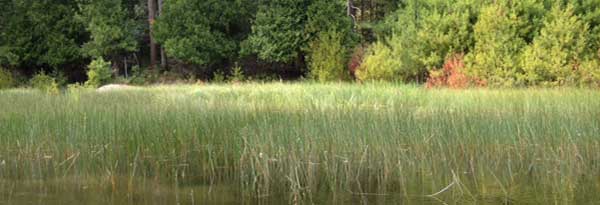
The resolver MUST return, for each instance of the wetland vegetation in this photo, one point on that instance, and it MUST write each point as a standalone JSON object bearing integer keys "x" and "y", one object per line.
{"x": 300, "y": 143}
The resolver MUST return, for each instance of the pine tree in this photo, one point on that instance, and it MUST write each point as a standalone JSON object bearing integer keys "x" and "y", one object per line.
{"x": 112, "y": 31}
{"x": 39, "y": 33}
{"x": 331, "y": 35}
{"x": 558, "y": 51}
{"x": 328, "y": 56}
{"x": 497, "y": 46}
{"x": 423, "y": 33}
{"x": 329, "y": 15}
{"x": 202, "y": 32}
{"x": 278, "y": 31}
{"x": 589, "y": 11}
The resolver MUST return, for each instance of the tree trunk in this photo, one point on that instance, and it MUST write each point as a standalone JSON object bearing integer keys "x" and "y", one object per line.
{"x": 153, "y": 46}
{"x": 353, "y": 13}
{"x": 163, "y": 56}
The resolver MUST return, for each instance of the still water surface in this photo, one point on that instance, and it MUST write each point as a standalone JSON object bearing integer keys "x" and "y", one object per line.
{"x": 70, "y": 192}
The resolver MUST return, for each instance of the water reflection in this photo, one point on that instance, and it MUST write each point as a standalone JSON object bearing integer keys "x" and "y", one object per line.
{"x": 102, "y": 192}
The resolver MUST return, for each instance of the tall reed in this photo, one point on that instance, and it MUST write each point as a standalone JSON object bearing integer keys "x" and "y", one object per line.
{"x": 307, "y": 142}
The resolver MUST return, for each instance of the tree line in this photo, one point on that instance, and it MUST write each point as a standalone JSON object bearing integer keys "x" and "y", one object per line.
{"x": 500, "y": 43}
{"x": 63, "y": 36}
{"x": 441, "y": 42}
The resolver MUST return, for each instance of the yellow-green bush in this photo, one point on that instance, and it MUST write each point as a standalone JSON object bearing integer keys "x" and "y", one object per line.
{"x": 497, "y": 46}
{"x": 327, "y": 58}
{"x": 99, "y": 73}
{"x": 589, "y": 73}
{"x": 380, "y": 64}
{"x": 422, "y": 34}
{"x": 558, "y": 51}
{"x": 44, "y": 83}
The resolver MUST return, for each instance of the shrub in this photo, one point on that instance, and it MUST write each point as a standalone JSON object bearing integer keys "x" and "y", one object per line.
{"x": 356, "y": 59}
{"x": 589, "y": 73}
{"x": 6, "y": 79}
{"x": 44, "y": 83}
{"x": 423, "y": 33}
{"x": 143, "y": 76}
{"x": 558, "y": 51}
{"x": 327, "y": 57}
{"x": 99, "y": 73}
{"x": 380, "y": 64}
{"x": 75, "y": 89}
{"x": 265, "y": 77}
{"x": 218, "y": 77}
{"x": 237, "y": 75}
{"x": 60, "y": 77}
{"x": 497, "y": 46}
{"x": 452, "y": 75}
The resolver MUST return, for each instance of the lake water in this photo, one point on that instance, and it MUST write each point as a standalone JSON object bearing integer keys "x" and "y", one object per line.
{"x": 69, "y": 192}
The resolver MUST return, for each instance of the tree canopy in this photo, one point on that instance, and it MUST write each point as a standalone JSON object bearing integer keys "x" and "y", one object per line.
{"x": 499, "y": 42}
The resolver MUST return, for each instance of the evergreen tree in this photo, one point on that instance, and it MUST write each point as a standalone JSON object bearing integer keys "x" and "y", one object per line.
{"x": 112, "y": 31}
{"x": 202, "y": 32}
{"x": 330, "y": 32}
{"x": 498, "y": 45}
{"x": 558, "y": 51}
{"x": 329, "y": 15}
{"x": 278, "y": 30}
{"x": 423, "y": 33}
{"x": 39, "y": 33}
{"x": 328, "y": 56}
{"x": 589, "y": 11}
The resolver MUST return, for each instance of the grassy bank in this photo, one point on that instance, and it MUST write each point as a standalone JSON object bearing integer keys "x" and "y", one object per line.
{"x": 302, "y": 142}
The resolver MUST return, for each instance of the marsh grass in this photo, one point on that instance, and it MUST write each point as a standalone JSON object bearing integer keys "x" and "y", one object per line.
{"x": 307, "y": 142}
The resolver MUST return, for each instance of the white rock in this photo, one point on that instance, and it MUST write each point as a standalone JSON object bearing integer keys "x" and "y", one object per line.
{"x": 114, "y": 87}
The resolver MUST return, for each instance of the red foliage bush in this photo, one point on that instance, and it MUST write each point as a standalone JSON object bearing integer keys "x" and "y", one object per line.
{"x": 356, "y": 59}
{"x": 452, "y": 75}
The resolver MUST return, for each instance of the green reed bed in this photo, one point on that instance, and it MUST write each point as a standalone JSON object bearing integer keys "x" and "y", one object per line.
{"x": 311, "y": 142}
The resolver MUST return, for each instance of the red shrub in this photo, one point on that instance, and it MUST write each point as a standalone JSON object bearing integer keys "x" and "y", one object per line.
{"x": 356, "y": 59}
{"x": 452, "y": 75}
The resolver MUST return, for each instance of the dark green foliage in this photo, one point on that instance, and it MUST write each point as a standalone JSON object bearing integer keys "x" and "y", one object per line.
{"x": 331, "y": 35}
{"x": 111, "y": 30}
{"x": 330, "y": 15}
{"x": 504, "y": 42}
{"x": 39, "y": 33}
{"x": 196, "y": 31}
{"x": 278, "y": 30}
{"x": 202, "y": 32}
